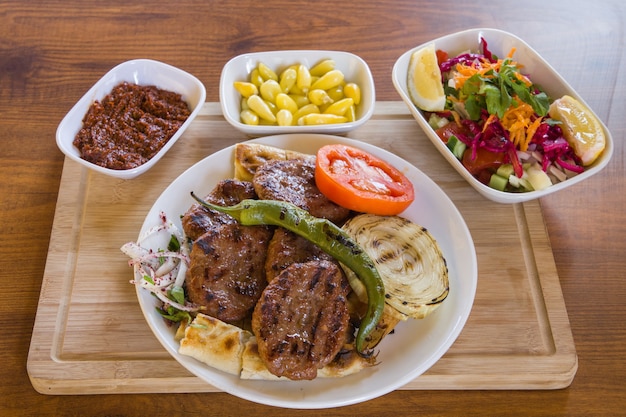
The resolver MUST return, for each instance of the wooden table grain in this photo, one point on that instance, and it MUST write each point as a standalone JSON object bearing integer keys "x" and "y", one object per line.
{"x": 51, "y": 52}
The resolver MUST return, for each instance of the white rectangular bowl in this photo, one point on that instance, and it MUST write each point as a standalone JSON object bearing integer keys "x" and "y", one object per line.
{"x": 239, "y": 68}
{"x": 140, "y": 72}
{"x": 542, "y": 74}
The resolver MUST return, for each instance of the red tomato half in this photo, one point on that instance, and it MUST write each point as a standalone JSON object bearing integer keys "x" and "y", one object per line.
{"x": 359, "y": 181}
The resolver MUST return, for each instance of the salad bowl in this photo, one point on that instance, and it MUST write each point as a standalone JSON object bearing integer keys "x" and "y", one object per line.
{"x": 542, "y": 74}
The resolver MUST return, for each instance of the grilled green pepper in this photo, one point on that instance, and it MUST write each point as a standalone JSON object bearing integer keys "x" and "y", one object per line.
{"x": 325, "y": 234}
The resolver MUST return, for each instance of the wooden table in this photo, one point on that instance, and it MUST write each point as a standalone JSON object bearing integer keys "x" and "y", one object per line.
{"x": 52, "y": 52}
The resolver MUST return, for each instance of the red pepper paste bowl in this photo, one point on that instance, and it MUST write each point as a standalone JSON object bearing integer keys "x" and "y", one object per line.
{"x": 119, "y": 145}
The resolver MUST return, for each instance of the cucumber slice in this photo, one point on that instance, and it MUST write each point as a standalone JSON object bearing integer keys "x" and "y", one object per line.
{"x": 497, "y": 182}
{"x": 437, "y": 122}
{"x": 456, "y": 146}
{"x": 505, "y": 170}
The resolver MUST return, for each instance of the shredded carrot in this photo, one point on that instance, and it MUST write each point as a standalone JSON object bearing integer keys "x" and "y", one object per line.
{"x": 489, "y": 120}
{"x": 511, "y": 52}
{"x": 455, "y": 114}
{"x": 532, "y": 129}
{"x": 457, "y": 117}
{"x": 518, "y": 120}
{"x": 523, "y": 79}
{"x": 465, "y": 72}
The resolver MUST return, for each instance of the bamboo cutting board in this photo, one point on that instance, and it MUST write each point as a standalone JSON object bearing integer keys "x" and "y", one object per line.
{"x": 90, "y": 336}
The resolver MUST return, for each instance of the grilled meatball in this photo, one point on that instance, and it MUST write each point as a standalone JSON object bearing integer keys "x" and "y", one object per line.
{"x": 226, "y": 274}
{"x": 293, "y": 181}
{"x": 301, "y": 321}
{"x": 286, "y": 248}
{"x": 198, "y": 219}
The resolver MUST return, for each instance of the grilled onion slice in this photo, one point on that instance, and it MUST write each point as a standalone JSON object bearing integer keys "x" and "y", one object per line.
{"x": 410, "y": 263}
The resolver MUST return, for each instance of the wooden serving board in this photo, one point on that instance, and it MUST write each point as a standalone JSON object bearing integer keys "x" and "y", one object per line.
{"x": 90, "y": 336}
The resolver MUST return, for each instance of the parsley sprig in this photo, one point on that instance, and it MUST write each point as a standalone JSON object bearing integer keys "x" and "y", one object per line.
{"x": 497, "y": 91}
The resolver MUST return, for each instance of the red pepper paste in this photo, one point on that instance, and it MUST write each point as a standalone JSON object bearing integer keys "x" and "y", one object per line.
{"x": 130, "y": 125}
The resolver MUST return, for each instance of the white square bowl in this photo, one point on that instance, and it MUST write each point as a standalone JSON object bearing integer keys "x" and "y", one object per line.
{"x": 499, "y": 43}
{"x": 140, "y": 72}
{"x": 239, "y": 68}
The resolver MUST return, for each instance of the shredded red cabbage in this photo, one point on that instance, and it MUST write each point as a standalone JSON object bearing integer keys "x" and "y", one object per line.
{"x": 494, "y": 138}
{"x": 465, "y": 59}
{"x": 486, "y": 52}
{"x": 554, "y": 147}
{"x": 569, "y": 165}
{"x": 468, "y": 58}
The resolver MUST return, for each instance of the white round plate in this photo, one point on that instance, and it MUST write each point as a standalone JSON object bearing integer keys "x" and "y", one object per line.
{"x": 404, "y": 355}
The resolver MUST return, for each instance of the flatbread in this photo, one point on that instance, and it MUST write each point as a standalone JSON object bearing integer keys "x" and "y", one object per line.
{"x": 234, "y": 350}
{"x": 344, "y": 364}
{"x": 249, "y": 156}
{"x": 253, "y": 366}
{"x": 215, "y": 343}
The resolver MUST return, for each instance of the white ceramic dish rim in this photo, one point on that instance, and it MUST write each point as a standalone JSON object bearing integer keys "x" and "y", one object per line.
{"x": 141, "y": 72}
{"x": 499, "y": 42}
{"x": 411, "y": 350}
{"x": 238, "y": 68}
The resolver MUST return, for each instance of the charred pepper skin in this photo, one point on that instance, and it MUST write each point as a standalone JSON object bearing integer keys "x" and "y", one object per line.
{"x": 329, "y": 237}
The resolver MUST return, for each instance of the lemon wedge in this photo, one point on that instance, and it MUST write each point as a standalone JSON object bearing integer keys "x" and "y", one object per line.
{"x": 580, "y": 127}
{"x": 424, "y": 80}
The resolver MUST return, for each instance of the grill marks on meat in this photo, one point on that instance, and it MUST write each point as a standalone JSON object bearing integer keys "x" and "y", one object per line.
{"x": 227, "y": 261}
{"x": 301, "y": 320}
{"x": 198, "y": 219}
{"x": 293, "y": 180}
{"x": 226, "y": 274}
{"x": 286, "y": 248}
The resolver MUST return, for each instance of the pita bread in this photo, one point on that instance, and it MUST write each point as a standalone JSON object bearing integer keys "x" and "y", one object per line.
{"x": 235, "y": 351}
{"x": 344, "y": 364}
{"x": 253, "y": 366}
{"x": 215, "y": 343}
{"x": 249, "y": 156}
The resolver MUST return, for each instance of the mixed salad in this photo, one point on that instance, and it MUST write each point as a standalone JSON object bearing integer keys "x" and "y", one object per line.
{"x": 496, "y": 123}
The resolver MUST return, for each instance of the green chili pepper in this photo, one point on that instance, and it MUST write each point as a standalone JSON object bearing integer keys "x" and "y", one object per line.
{"x": 325, "y": 234}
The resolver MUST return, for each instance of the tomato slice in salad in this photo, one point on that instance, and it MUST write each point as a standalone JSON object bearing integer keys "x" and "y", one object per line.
{"x": 442, "y": 56}
{"x": 482, "y": 160}
{"x": 481, "y": 163}
{"x": 359, "y": 181}
{"x": 451, "y": 129}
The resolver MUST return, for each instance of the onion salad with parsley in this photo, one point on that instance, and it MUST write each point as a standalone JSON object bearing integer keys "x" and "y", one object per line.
{"x": 497, "y": 123}
{"x": 163, "y": 270}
